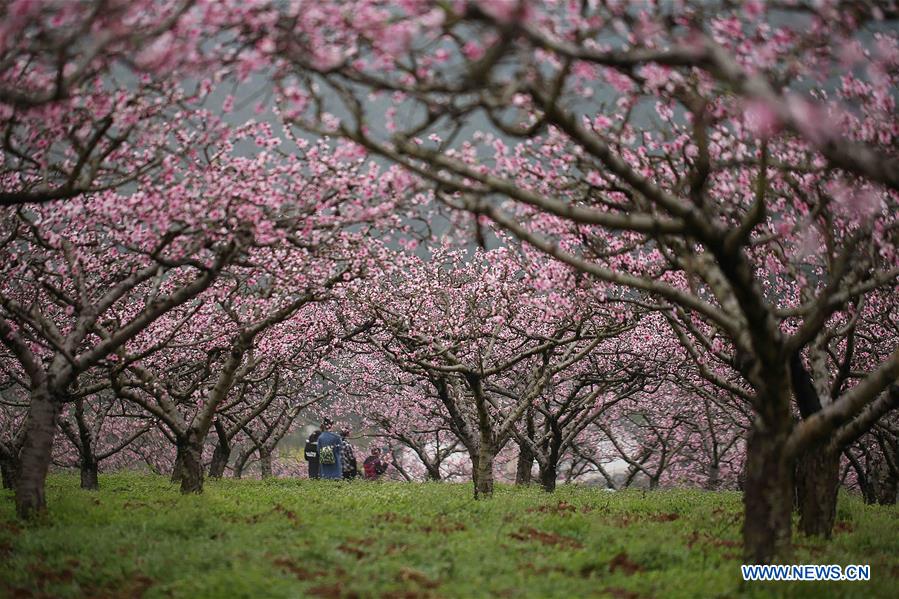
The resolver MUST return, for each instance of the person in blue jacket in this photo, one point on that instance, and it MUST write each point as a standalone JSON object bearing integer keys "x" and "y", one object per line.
{"x": 329, "y": 458}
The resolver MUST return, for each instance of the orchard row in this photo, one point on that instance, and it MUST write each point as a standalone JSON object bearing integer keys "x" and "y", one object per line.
{"x": 652, "y": 242}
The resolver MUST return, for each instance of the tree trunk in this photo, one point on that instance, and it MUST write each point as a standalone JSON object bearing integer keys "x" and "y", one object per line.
{"x": 473, "y": 457}
{"x": 883, "y": 480}
{"x": 37, "y": 450}
{"x": 89, "y": 475}
{"x": 713, "y": 480}
{"x": 222, "y": 451}
{"x": 768, "y": 498}
{"x": 433, "y": 472}
{"x": 817, "y": 482}
{"x": 523, "y": 471}
{"x": 483, "y": 487}
{"x": 241, "y": 462}
{"x": 178, "y": 465}
{"x": 265, "y": 463}
{"x": 191, "y": 451}
{"x": 525, "y": 466}
{"x": 219, "y": 459}
{"x": 653, "y": 483}
{"x": 548, "y": 475}
{"x": 8, "y": 471}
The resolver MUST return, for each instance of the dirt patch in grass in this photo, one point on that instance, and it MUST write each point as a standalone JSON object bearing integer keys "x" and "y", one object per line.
{"x": 394, "y": 548}
{"x": 625, "y": 564}
{"x": 301, "y": 573}
{"x": 529, "y": 534}
{"x": 443, "y": 527}
{"x": 705, "y": 538}
{"x": 532, "y": 568}
{"x": 562, "y": 508}
{"x": 44, "y": 575}
{"x": 625, "y": 521}
{"x": 619, "y": 593}
{"x": 131, "y": 588}
{"x": 410, "y": 575}
{"x": 392, "y": 518}
{"x": 353, "y": 550}
{"x": 843, "y": 526}
{"x": 332, "y": 591}
{"x": 664, "y": 517}
{"x": 290, "y": 515}
{"x": 19, "y": 593}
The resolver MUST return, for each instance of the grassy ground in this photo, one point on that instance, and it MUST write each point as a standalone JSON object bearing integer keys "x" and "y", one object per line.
{"x": 297, "y": 538}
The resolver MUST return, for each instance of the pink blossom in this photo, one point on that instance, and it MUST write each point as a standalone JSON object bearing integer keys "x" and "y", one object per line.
{"x": 472, "y": 50}
{"x": 761, "y": 119}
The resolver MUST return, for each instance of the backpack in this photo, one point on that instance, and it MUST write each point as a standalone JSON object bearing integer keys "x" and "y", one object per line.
{"x": 310, "y": 451}
{"x": 350, "y": 469}
{"x": 326, "y": 455}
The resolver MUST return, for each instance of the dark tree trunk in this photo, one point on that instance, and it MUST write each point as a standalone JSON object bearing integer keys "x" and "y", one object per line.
{"x": 884, "y": 482}
{"x": 548, "y": 475}
{"x": 265, "y": 463}
{"x": 241, "y": 463}
{"x": 483, "y": 486}
{"x": 525, "y": 466}
{"x": 653, "y": 483}
{"x": 37, "y": 450}
{"x": 817, "y": 482}
{"x": 219, "y": 459}
{"x": 549, "y": 470}
{"x": 222, "y": 451}
{"x": 89, "y": 475}
{"x": 191, "y": 450}
{"x": 433, "y": 472}
{"x": 767, "y": 499}
{"x": 178, "y": 465}
{"x": 473, "y": 456}
{"x": 523, "y": 471}
{"x": 713, "y": 480}
{"x": 8, "y": 471}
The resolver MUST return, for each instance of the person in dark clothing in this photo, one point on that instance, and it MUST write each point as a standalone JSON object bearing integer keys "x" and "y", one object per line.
{"x": 310, "y": 453}
{"x": 347, "y": 455}
{"x": 374, "y": 465}
{"x": 329, "y": 462}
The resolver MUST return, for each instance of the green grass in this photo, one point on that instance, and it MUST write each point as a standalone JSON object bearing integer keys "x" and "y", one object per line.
{"x": 296, "y": 538}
